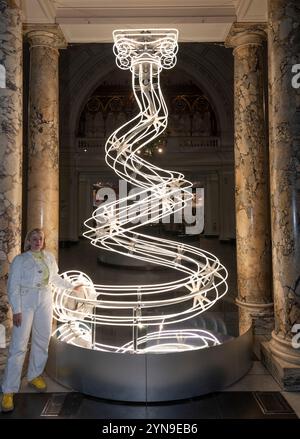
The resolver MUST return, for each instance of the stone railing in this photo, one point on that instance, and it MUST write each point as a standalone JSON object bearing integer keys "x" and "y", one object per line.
{"x": 190, "y": 144}
{"x": 175, "y": 144}
{"x": 87, "y": 143}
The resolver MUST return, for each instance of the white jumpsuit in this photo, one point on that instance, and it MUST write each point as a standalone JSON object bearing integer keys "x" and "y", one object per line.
{"x": 28, "y": 296}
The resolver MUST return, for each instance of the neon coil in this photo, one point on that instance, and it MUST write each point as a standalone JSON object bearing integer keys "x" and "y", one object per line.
{"x": 202, "y": 277}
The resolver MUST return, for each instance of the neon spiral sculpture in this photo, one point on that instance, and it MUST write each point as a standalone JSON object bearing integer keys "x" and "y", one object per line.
{"x": 203, "y": 277}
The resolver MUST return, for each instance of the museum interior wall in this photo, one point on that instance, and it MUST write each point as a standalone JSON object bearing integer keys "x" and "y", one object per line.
{"x": 95, "y": 98}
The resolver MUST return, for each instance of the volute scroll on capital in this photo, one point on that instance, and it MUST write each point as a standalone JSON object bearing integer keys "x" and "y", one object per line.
{"x": 45, "y": 36}
{"x": 242, "y": 34}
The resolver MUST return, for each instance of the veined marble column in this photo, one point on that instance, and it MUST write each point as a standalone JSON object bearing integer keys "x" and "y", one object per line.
{"x": 10, "y": 153}
{"x": 251, "y": 180}
{"x": 282, "y": 354}
{"x": 43, "y": 145}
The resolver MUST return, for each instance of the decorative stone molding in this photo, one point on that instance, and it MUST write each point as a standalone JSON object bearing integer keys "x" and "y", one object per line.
{"x": 242, "y": 34}
{"x": 259, "y": 315}
{"x": 49, "y": 36}
{"x": 283, "y": 361}
{"x": 282, "y": 348}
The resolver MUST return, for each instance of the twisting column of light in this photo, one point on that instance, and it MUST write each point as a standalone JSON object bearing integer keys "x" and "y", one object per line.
{"x": 203, "y": 277}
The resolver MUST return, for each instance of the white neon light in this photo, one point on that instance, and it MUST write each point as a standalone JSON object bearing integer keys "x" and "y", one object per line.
{"x": 201, "y": 277}
{"x": 155, "y": 342}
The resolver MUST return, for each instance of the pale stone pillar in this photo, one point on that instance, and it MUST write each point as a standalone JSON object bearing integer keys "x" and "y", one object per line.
{"x": 284, "y": 122}
{"x": 227, "y": 207}
{"x": 10, "y": 154}
{"x": 43, "y": 143}
{"x": 251, "y": 180}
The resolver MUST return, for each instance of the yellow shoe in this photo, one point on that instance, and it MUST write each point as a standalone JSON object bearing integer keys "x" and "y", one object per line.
{"x": 39, "y": 384}
{"x": 7, "y": 404}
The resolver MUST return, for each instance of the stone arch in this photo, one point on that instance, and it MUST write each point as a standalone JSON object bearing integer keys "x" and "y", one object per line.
{"x": 89, "y": 76}
{"x": 87, "y": 65}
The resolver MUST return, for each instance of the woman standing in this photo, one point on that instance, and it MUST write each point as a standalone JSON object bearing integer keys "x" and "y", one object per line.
{"x": 31, "y": 277}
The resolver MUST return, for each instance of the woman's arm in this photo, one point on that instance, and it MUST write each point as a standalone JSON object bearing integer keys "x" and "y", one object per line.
{"x": 55, "y": 278}
{"x": 14, "y": 285}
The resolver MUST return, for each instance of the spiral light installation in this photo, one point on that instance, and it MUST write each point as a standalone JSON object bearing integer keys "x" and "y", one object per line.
{"x": 202, "y": 279}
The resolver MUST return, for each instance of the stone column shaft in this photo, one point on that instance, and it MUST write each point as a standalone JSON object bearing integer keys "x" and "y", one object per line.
{"x": 284, "y": 51}
{"x": 11, "y": 109}
{"x": 43, "y": 160}
{"x": 251, "y": 180}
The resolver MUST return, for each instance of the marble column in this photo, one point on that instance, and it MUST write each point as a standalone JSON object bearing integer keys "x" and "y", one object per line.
{"x": 10, "y": 154}
{"x": 251, "y": 180}
{"x": 227, "y": 207}
{"x": 43, "y": 143}
{"x": 282, "y": 353}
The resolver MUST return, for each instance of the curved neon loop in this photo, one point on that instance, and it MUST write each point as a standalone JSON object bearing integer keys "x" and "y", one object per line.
{"x": 202, "y": 278}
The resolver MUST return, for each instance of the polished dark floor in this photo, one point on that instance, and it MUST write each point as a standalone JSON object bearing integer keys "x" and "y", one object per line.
{"x": 224, "y": 405}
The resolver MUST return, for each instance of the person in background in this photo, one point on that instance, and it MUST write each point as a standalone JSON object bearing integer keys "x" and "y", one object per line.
{"x": 31, "y": 277}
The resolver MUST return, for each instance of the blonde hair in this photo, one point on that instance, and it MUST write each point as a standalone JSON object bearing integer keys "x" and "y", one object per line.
{"x": 38, "y": 231}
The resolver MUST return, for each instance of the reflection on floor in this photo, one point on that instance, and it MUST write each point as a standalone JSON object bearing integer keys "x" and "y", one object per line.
{"x": 225, "y": 405}
{"x": 255, "y": 396}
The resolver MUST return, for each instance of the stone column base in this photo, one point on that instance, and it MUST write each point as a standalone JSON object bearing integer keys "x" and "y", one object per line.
{"x": 283, "y": 362}
{"x": 259, "y": 315}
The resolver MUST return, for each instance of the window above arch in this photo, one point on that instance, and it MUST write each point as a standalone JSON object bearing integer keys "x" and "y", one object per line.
{"x": 110, "y": 105}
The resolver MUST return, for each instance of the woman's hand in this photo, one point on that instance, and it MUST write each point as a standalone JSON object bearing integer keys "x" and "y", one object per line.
{"x": 17, "y": 319}
{"x": 78, "y": 287}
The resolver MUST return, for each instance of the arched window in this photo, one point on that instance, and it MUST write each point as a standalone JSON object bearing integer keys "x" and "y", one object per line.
{"x": 190, "y": 112}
